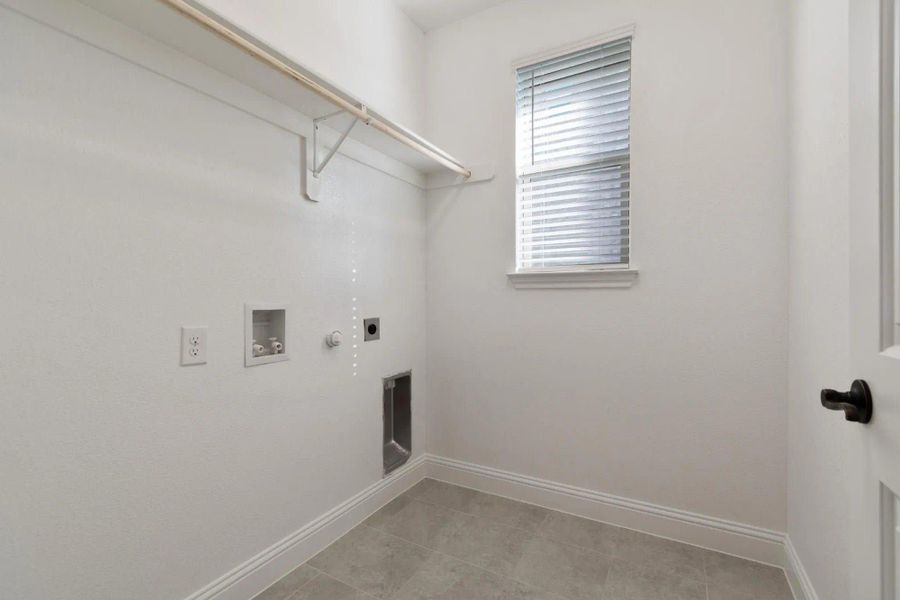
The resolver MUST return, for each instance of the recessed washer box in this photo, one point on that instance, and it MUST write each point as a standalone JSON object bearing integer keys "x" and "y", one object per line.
{"x": 265, "y": 327}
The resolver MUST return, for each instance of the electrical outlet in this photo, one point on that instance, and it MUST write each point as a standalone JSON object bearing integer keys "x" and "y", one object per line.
{"x": 371, "y": 329}
{"x": 193, "y": 345}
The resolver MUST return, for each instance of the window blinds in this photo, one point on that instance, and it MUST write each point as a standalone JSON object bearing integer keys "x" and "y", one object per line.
{"x": 573, "y": 150}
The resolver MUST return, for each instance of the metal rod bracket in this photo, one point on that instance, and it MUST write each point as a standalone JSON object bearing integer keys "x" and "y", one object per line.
{"x": 318, "y": 168}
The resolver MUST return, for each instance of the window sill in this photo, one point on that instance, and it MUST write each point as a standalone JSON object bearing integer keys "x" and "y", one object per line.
{"x": 584, "y": 278}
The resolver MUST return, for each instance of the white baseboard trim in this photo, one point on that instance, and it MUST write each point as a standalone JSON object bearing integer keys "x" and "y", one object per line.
{"x": 800, "y": 582}
{"x": 256, "y": 574}
{"x": 747, "y": 541}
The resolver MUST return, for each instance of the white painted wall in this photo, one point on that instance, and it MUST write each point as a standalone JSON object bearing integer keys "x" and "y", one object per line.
{"x": 822, "y": 449}
{"x": 671, "y": 392}
{"x": 132, "y": 205}
{"x": 369, "y": 48}
{"x": 429, "y": 14}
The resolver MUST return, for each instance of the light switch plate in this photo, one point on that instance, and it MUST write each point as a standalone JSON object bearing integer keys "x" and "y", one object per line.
{"x": 193, "y": 345}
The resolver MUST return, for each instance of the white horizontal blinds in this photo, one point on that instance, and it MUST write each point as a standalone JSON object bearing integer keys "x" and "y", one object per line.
{"x": 573, "y": 147}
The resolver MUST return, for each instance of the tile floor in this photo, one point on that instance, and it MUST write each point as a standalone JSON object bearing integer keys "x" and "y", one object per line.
{"x": 443, "y": 542}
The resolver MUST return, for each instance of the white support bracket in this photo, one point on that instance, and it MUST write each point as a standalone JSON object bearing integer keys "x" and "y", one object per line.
{"x": 318, "y": 168}
{"x": 311, "y": 180}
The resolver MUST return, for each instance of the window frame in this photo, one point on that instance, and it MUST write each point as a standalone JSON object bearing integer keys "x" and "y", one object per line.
{"x": 581, "y": 276}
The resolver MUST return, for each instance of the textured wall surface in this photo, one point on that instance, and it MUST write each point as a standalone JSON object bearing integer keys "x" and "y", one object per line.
{"x": 133, "y": 205}
{"x": 368, "y": 47}
{"x": 673, "y": 391}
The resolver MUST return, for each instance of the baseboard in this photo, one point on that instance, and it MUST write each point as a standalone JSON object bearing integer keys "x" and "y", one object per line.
{"x": 800, "y": 582}
{"x": 746, "y": 541}
{"x": 251, "y": 577}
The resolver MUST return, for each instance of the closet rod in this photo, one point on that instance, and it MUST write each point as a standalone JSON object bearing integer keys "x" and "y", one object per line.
{"x": 360, "y": 112}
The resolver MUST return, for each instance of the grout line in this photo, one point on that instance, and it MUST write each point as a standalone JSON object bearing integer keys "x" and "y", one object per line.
{"x": 311, "y": 579}
{"x": 320, "y": 572}
{"x": 295, "y": 592}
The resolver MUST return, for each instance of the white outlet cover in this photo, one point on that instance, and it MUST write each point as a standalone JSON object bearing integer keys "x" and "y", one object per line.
{"x": 193, "y": 345}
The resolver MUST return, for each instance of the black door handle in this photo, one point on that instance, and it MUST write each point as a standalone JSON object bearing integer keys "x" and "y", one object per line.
{"x": 856, "y": 404}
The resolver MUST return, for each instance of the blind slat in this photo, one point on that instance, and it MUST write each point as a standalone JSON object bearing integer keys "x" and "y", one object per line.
{"x": 618, "y": 259}
{"x": 597, "y": 77}
{"x": 580, "y": 186}
{"x": 573, "y": 223}
{"x": 566, "y": 60}
{"x": 610, "y": 215}
{"x": 604, "y": 78}
{"x": 591, "y": 143}
{"x": 571, "y": 245}
{"x": 576, "y": 114}
{"x": 587, "y": 233}
{"x": 601, "y": 65}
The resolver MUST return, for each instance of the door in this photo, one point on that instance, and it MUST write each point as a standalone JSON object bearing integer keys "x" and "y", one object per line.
{"x": 875, "y": 318}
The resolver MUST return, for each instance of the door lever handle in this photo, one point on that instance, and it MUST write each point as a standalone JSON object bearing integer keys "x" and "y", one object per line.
{"x": 856, "y": 404}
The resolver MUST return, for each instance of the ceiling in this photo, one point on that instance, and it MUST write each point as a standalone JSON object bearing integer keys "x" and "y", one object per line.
{"x": 430, "y": 14}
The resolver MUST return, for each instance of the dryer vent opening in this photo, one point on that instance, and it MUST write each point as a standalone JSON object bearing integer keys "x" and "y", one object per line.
{"x": 397, "y": 439}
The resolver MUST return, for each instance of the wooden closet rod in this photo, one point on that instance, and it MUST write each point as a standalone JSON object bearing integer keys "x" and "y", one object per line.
{"x": 359, "y": 111}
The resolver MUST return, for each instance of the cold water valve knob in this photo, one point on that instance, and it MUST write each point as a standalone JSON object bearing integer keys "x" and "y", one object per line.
{"x": 275, "y": 346}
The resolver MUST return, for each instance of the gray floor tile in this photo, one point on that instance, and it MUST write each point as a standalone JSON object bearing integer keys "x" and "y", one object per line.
{"x": 424, "y": 524}
{"x": 506, "y": 511}
{"x": 577, "y": 531}
{"x": 440, "y": 577}
{"x": 444, "y": 542}
{"x": 731, "y": 578}
{"x": 666, "y": 556}
{"x": 515, "y": 590}
{"x": 387, "y": 511}
{"x": 485, "y": 543}
{"x": 572, "y": 572}
{"x": 718, "y": 592}
{"x": 503, "y": 510}
{"x": 418, "y": 489}
{"x": 324, "y": 587}
{"x": 372, "y": 561}
{"x": 627, "y": 582}
{"x": 445, "y": 578}
{"x": 287, "y": 585}
{"x": 444, "y": 494}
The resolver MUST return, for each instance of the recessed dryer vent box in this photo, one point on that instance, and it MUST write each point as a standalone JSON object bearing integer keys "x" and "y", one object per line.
{"x": 397, "y": 441}
{"x": 265, "y": 334}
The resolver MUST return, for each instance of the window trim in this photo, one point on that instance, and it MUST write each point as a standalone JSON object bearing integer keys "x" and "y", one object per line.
{"x": 610, "y": 36}
{"x": 589, "y": 276}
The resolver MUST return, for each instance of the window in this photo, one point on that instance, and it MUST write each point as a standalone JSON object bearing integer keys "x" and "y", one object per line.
{"x": 573, "y": 155}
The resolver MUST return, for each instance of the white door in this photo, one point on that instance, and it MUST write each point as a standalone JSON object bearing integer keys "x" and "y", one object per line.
{"x": 874, "y": 318}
